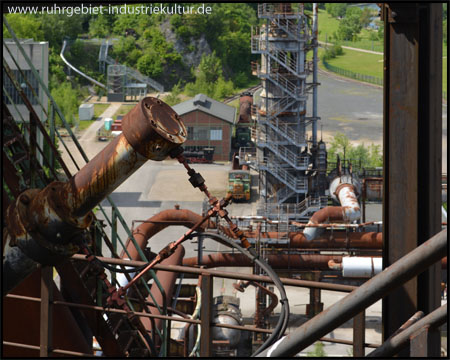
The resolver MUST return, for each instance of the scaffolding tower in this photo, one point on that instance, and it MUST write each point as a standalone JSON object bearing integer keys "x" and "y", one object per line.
{"x": 285, "y": 158}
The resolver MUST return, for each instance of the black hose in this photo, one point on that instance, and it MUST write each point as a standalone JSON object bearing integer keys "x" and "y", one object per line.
{"x": 284, "y": 314}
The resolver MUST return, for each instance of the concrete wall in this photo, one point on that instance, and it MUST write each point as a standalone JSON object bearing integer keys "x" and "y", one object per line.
{"x": 38, "y": 53}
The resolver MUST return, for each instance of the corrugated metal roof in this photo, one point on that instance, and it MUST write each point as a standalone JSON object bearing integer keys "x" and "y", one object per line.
{"x": 206, "y": 104}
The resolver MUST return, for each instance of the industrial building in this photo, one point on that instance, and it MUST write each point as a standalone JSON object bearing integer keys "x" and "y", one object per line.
{"x": 209, "y": 124}
{"x": 73, "y": 286}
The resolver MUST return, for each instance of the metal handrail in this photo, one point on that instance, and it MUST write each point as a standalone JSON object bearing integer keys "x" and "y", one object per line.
{"x": 403, "y": 270}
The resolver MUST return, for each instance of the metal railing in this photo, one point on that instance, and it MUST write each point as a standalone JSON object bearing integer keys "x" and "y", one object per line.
{"x": 207, "y": 276}
{"x": 350, "y": 74}
{"x": 299, "y": 185}
{"x": 275, "y": 77}
{"x": 403, "y": 270}
{"x": 302, "y": 209}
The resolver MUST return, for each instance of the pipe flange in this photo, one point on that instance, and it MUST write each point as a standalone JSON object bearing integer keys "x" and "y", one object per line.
{"x": 153, "y": 129}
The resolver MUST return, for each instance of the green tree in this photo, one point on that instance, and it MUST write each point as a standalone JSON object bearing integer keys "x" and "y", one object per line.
{"x": 368, "y": 157}
{"x": 210, "y": 68}
{"x": 24, "y": 26}
{"x": 349, "y": 27}
{"x": 67, "y": 99}
{"x": 381, "y": 31}
{"x": 336, "y": 10}
{"x": 365, "y": 17}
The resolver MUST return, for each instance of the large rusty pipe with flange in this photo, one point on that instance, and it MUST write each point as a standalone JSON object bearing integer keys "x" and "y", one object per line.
{"x": 45, "y": 226}
{"x": 343, "y": 189}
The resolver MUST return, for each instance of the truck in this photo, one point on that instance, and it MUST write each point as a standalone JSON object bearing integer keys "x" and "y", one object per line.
{"x": 239, "y": 184}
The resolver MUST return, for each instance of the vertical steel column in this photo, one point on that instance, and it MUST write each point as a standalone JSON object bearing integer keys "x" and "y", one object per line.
{"x": 32, "y": 157}
{"x": 51, "y": 121}
{"x": 412, "y": 153}
{"x": 46, "y": 321}
{"x": 419, "y": 343}
{"x": 359, "y": 334}
{"x": 315, "y": 65}
{"x": 206, "y": 315}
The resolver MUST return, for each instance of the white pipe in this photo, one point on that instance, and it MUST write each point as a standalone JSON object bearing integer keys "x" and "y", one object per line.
{"x": 365, "y": 267}
{"x": 350, "y": 205}
{"x": 194, "y": 316}
{"x": 76, "y": 70}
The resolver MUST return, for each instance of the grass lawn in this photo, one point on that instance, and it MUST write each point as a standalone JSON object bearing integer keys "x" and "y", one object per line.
{"x": 123, "y": 110}
{"x": 328, "y": 25}
{"x": 99, "y": 109}
{"x": 83, "y": 125}
{"x": 359, "y": 62}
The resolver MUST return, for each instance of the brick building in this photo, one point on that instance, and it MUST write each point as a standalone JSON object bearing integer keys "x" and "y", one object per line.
{"x": 209, "y": 124}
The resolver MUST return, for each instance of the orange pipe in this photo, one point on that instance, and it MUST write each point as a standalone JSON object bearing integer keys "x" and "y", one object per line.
{"x": 153, "y": 226}
{"x": 282, "y": 261}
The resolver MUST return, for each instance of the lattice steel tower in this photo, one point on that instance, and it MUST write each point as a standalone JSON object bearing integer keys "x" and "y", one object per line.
{"x": 287, "y": 159}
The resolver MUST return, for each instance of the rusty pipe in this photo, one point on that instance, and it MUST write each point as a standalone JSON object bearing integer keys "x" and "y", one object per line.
{"x": 46, "y": 226}
{"x": 282, "y": 261}
{"x": 150, "y": 131}
{"x": 167, "y": 280}
{"x": 344, "y": 189}
{"x": 242, "y": 285}
{"x": 159, "y": 222}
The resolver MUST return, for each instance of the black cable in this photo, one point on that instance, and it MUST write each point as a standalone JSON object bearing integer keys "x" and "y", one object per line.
{"x": 113, "y": 269}
{"x": 284, "y": 314}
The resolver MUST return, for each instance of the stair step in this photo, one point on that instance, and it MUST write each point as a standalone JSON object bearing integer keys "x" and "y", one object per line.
{"x": 10, "y": 139}
{"x": 19, "y": 157}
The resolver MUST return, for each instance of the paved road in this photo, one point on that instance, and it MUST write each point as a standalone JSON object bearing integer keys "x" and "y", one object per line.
{"x": 356, "y": 109}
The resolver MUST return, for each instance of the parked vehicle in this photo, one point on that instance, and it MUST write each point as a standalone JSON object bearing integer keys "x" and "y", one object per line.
{"x": 239, "y": 184}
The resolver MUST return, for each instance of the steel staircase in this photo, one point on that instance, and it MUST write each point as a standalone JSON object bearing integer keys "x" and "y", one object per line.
{"x": 104, "y": 59}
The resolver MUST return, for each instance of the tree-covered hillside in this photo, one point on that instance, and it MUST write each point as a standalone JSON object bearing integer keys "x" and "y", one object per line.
{"x": 168, "y": 48}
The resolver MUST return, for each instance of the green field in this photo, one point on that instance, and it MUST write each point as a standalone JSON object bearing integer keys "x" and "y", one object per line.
{"x": 83, "y": 125}
{"x": 99, "y": 109}
{"x": 124, "y": 109}
{"x": 359, "y": 62}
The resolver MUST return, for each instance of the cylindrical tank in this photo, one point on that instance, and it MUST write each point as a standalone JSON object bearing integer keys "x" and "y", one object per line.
{"x": 245, "y": 106}
{"x": 226, "y": 311}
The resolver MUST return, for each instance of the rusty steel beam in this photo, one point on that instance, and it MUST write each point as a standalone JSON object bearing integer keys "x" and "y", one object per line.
{"x": 56, "y": 351}
{"x": 397, "y": 342}
{"x": 45, "y": 226}
{"x": 408, "y": 267}
{"x": 412, "y": 129}
{"x": 206, "y": 315}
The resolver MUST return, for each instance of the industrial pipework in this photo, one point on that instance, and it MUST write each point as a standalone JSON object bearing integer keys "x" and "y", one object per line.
{"x": 44, "y": 227}
{"x": 343, "y": 189}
